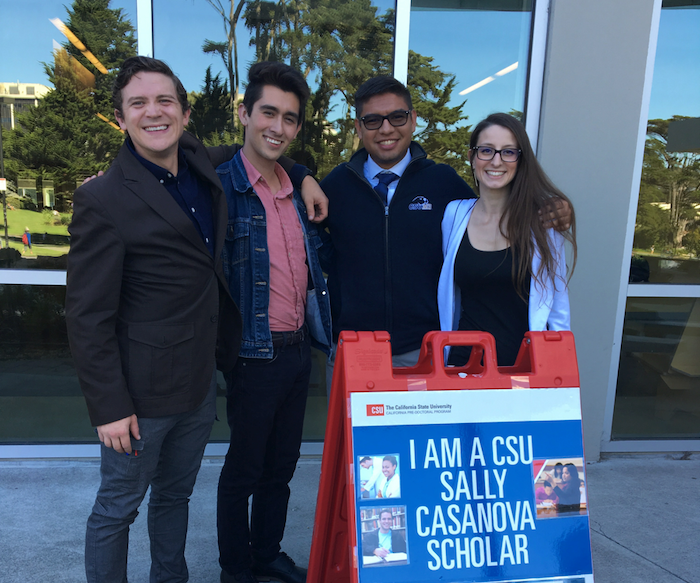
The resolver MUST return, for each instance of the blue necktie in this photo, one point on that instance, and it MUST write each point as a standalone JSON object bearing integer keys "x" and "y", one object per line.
{"x": 382, "y": 189}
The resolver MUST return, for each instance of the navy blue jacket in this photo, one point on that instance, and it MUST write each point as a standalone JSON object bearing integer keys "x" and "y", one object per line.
{"x": 247, "y": 265}
{"x": 383, "y": 265}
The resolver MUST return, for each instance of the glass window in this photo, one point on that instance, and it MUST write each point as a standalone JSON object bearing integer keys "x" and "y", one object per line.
{"x": 57, "y": 120}
{"x": 658, "y": 386}
{"x": 666, "y": 235}
{"x": 40, "y": 398}
{"x": 466, "y": 62}
{"x": 336, "y": 45}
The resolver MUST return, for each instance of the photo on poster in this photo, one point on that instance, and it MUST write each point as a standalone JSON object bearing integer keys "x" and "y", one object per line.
{"x": 383, "y": 532}
{"x": 378, "y": 476}
{"x": 560, "y": 488}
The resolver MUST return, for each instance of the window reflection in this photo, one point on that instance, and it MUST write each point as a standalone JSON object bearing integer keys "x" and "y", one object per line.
{"x": 466, "y": 62}
{"x": 336, "y": 45}
{"x": 57, "y": 121}
{"x": 666, "y": 237}
{"x": 40, "y": 396}
{"x": 658, "y": 387}
{"x": 40, "y": 399}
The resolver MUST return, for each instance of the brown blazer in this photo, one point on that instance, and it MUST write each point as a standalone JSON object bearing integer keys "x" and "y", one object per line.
{"x": 145, "y": 300}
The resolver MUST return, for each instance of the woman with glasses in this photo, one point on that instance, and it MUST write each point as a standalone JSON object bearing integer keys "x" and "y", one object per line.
{"x": 504, "y": 272}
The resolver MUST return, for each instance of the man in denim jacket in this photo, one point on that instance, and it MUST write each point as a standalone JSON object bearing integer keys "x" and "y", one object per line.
{"x": 273, "y": 272}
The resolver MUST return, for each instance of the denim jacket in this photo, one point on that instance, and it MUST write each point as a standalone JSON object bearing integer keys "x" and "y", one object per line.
{"x": 247, "y": 265}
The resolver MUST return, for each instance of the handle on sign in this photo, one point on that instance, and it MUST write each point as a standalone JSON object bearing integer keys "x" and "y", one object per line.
{"x": 482, "y": 343}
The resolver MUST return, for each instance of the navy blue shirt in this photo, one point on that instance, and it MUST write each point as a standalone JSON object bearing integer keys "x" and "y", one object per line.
{"x": 188, "y": 190}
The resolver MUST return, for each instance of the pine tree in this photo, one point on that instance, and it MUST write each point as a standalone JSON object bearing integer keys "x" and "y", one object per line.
{"x": 63, "y": 138}
{"x": 209, "y": 117}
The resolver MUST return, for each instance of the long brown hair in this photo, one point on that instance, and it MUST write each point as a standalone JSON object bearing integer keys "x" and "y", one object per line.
{"x": 530, "y": 192}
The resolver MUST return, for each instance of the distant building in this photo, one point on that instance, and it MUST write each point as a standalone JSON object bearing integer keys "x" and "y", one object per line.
{"x": 18, "y": 97}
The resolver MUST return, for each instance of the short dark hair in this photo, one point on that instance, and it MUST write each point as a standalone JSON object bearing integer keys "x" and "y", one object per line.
{"x": 384, "y": 511}
{"x": 391, "y": 459}
{"x": 379, "y": 86}
{"x": 547, "y": 484}
{"x": 134, "y": 65}
{"x": 278, "y": 75}
{"x": 366, "y": 459}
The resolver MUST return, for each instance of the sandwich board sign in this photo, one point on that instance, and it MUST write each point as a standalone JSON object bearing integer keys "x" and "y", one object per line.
{"x": 453, "y": 474}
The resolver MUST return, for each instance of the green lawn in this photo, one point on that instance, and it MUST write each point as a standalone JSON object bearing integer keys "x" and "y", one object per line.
{"x": 18, "y": 220}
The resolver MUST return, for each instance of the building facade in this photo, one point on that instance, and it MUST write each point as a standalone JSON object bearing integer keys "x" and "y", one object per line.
{"x": 607, "y": 91}
{"x": 16, "y": 98}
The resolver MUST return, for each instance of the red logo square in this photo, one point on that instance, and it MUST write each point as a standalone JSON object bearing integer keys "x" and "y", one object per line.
{"x": 375, "y": 410}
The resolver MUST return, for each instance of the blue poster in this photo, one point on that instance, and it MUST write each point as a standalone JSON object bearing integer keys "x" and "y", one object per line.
{"x": 470, "y": 486}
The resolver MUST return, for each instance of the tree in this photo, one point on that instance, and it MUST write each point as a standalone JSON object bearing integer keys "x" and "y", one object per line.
{"x": 668, "y": 177}
{"x": 443, "y": 134}
{"x": 62, "y": 138}
{"x": 230, "y": 12}
{"x": 210, "y": 110}
{"x": 652, "y": 227}
{"x": 337, "y": 45}
{"x": 345, "y": 43}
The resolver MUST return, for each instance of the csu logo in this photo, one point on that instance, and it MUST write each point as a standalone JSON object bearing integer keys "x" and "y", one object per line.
{"x": 420, "y": 203}
{"x": 375, "y": 410}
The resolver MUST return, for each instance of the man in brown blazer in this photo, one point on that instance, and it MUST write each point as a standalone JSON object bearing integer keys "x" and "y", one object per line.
{"x": 146, "y": 301}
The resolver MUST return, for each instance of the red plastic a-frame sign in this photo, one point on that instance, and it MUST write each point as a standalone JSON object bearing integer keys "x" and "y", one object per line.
{"x": 547, "y": 361}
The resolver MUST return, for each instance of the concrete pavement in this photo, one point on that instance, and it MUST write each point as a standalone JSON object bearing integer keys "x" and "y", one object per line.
{"x": 644, "y": 511}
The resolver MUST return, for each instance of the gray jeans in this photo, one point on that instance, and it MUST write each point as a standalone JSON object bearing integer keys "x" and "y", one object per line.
{"x": 168, "y": 458}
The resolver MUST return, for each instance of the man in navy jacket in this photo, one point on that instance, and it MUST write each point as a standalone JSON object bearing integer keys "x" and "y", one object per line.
{"x": 383, "y": 256}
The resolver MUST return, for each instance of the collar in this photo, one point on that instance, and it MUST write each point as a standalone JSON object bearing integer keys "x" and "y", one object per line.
{"x": 371, "y": 168}
{"x": 164, "y": 176}
{"x": 254, "y": 176}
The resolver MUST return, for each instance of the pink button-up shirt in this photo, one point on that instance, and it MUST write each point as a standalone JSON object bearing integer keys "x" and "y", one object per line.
{"x": 289, "y": 273}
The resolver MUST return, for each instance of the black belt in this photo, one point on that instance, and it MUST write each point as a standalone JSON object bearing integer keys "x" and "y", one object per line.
{"x": 280, "y": 339}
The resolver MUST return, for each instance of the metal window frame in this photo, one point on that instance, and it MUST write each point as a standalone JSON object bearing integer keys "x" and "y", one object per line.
{"x": 640, "y": 290}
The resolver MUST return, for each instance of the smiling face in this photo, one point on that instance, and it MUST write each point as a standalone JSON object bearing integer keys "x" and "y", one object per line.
{"x": 388, "y": 469}
{"x": 495, "y": 174}
{"x": 388, "y": 145}
{"x": 270, "y": 127}
{"x": 153, "y": 117}
{"x": 385, "y": 522}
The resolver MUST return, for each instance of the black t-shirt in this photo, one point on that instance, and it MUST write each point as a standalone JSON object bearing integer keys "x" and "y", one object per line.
{"x": 490, "y": 302}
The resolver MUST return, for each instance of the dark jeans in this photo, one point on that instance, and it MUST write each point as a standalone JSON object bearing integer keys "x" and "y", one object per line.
{"x": 266, "y": 401}
{"x": 169, "y": 456}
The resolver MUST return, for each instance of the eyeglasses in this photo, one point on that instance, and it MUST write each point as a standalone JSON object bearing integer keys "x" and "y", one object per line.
{"x": 487, "y": 153}
{"x": 374, "y": 121}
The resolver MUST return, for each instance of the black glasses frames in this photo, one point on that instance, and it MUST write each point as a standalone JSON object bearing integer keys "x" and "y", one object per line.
{"x": 487, "y": 153}
{"x": 397, "y": 118}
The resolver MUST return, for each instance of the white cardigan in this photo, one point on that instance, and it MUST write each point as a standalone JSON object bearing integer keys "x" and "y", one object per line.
{"x": 548, "y": 306}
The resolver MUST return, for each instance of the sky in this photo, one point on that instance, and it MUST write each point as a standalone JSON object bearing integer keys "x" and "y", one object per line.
{"x": 499, "y": 38}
